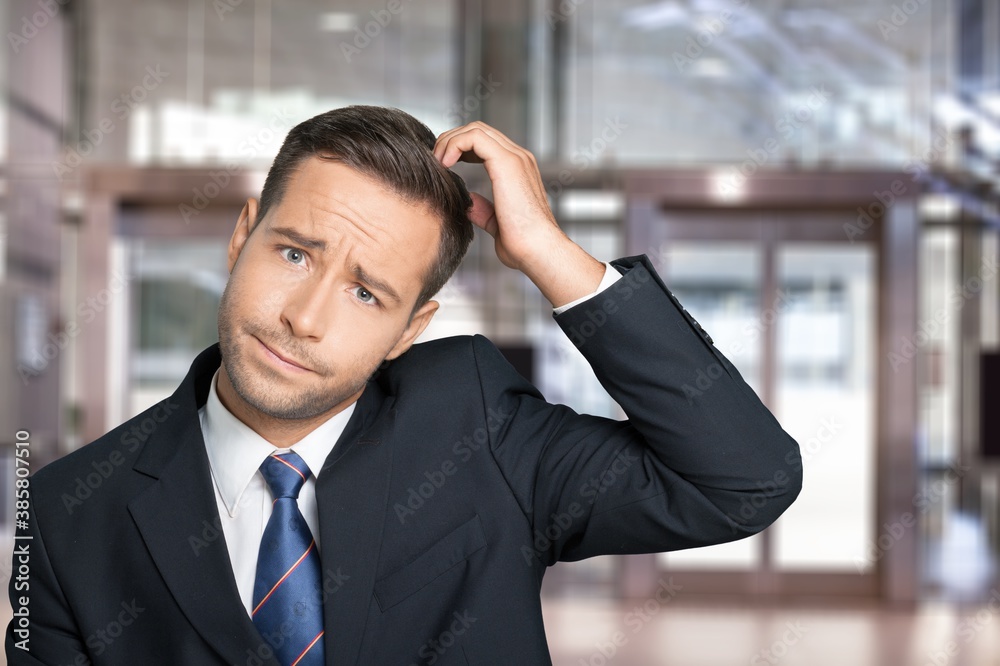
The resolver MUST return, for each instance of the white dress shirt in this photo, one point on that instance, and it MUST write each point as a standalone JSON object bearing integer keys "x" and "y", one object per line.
{"x": 235, "y": 453}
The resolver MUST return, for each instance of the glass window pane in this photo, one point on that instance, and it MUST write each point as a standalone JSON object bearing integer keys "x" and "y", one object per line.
{"x": 232, "y": 80}
{"x": 708, "y": 81}
{"x": 176, "y": 287}
{"x": 824, "y": 394}
{"x": 939, "y": 386}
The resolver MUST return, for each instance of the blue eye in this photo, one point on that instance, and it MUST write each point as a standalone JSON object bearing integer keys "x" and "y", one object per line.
{"x": 293, "y": 255}
{"x": 364, "y": 295}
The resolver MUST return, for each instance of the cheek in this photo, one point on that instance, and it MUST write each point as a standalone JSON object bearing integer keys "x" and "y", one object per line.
{"x": 247, "y": 302}
{"x": 262, "y": 291}
{"x": 368, "y": 335}
{"x": 367, "y": 332}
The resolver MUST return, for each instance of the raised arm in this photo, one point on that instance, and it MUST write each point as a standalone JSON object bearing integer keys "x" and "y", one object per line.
{"x": 696, "y": 463}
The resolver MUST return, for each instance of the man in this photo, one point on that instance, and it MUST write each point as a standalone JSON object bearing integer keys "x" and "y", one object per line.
{"x": 321, "y": 490}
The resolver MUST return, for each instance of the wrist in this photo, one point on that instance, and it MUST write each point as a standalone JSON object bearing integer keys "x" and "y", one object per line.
{"x": 564, "y": 272}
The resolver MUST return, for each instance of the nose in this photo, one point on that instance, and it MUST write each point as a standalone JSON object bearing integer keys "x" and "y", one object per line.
{"x": 308, "y": 311}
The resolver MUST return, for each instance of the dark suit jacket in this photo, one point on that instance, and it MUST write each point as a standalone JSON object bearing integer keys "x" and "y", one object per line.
{"x": 452, "y": 489}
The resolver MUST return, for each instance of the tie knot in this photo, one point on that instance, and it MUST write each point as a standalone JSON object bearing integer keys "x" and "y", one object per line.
{"x": 284, "y": 474}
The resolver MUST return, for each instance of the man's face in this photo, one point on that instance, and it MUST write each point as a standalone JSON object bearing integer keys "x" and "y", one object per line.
{"x": 322, "y": 292}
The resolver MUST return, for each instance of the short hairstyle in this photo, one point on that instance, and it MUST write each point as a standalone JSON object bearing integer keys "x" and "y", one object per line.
{"x": 394, "y": 148}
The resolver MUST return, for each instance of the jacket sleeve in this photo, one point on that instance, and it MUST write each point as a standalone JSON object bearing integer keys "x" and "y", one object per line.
{"x": 47, "y": 634}
{"x": 699, "y": 461}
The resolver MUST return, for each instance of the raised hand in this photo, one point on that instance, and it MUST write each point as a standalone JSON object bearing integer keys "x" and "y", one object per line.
{"x": 525, "y": 232}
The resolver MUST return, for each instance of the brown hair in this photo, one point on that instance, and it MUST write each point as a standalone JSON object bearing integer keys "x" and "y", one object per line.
{"x": 394, "y": 148}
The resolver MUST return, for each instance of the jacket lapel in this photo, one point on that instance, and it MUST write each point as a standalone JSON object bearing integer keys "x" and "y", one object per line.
{"x": 178, "y": 519}
{"x": 352, "y": 493}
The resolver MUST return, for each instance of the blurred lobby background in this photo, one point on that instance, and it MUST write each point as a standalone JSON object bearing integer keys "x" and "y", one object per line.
{"x": 815, "y": 180}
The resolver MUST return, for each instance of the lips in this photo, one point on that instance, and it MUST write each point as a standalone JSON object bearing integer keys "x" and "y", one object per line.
{"x": 281, "y": 358}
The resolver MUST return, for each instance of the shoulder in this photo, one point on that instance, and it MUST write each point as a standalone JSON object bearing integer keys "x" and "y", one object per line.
{"x": 100, "y": 463}
{"x": 450, "y": 364}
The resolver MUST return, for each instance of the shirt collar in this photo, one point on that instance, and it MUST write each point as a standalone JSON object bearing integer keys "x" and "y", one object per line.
{"x": 235, "y": 451}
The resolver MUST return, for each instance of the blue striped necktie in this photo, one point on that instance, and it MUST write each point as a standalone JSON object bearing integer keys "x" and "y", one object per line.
{"x": 287, "y": 599}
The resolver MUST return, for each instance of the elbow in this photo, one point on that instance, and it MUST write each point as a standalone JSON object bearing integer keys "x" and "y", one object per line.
{"x": 790, "y": 492}
{"x": 760, "y": 507}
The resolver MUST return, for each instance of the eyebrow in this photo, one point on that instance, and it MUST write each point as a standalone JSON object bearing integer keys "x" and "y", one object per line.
{"x": 360, "y": 273}
{"x": 299, "y": 239}
{"x": 376, "y": 283}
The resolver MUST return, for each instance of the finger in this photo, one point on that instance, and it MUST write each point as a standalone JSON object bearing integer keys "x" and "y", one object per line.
{"x": 495, "y": 133}
{"x": 470, "y": 157}
{"x": 503, "y": 139}
{"x": 445, "y": 140}
{"x": 483, "y": 145}
{"x": 445, "y": 137}
{"x": 483, "y": 214}
{"x": 440, "y": 147}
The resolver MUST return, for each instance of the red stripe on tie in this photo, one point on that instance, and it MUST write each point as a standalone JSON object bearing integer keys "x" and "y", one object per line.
{"x": 282, "y": 580}
{"x": 308, "y": 647}
{"x": 279, "y": 459}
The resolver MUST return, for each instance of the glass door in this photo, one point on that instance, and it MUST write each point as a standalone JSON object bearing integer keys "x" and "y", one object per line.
{"x": 792, "y": 304}
{"x": 824, "y": 396}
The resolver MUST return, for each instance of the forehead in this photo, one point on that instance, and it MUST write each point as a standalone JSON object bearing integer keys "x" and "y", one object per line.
{"x": 320, "y": 183}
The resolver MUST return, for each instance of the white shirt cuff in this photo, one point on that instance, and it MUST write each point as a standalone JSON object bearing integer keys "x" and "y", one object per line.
{"x": 611, "y": 275}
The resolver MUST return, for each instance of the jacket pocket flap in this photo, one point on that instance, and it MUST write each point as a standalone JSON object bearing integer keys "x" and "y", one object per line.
{"x": 446, "y": 553}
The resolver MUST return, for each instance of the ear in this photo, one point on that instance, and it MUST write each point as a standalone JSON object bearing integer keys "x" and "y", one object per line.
{"x": 417, "y": 324}
{"x": 244, "y": 225}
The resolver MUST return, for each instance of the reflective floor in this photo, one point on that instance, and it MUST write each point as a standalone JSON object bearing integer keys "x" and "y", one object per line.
{"x": 599, "y": 632}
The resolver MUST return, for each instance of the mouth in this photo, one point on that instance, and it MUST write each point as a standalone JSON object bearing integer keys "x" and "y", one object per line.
{"x": 280, "y": 360}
